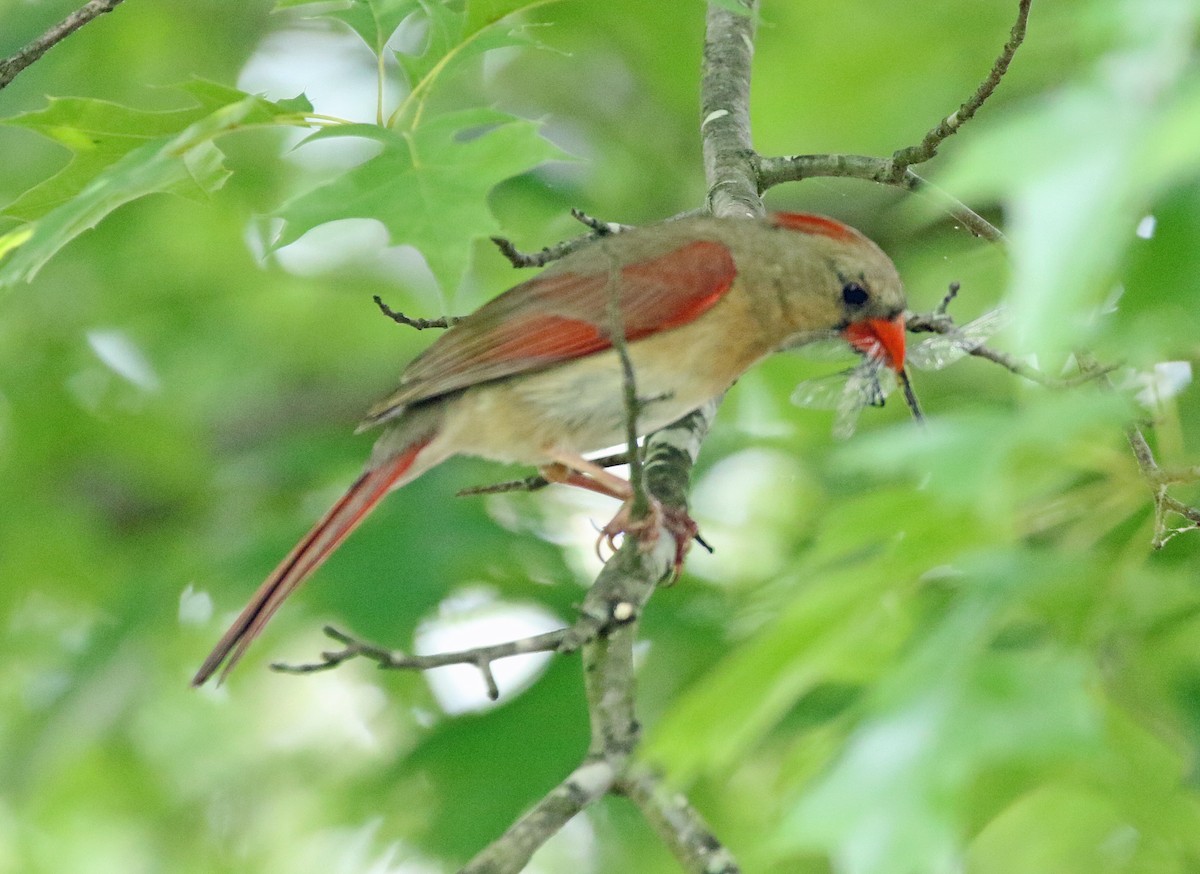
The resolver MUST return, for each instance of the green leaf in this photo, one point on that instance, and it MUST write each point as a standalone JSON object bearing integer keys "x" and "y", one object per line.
{"x": 97, "y": 133}
{"x": 122, "y": 155}
{"x": 484, "y": 13}
{"x": 841, "y": 620}
{"x": 1059, "y": 165}
{"x": 454, "y": 37}
{"x": 445, "y": 35}
{"x": 958, "y": 707}
{"x": 428, "y": 187}
{"x": 373, "y": 20}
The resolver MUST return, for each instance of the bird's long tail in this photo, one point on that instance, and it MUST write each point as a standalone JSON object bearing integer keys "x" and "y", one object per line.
{"x": 342, "y": 518}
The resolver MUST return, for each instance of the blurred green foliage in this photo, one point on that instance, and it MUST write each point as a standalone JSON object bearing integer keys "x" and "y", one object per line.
{"x": 914, "y": 651}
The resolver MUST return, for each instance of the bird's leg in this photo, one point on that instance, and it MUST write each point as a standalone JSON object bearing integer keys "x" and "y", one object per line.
{"x": 574, "y": 470}
{"x": 578, "y": 471}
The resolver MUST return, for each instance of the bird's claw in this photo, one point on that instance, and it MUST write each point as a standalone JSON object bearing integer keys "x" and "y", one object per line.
{"x": 646, "y": 529}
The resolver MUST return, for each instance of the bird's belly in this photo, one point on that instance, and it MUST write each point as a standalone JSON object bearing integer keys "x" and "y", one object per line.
{"x": 578, "y": 406}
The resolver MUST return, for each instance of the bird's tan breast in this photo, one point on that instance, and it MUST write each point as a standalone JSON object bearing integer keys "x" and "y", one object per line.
{"x": 579, "y": 406}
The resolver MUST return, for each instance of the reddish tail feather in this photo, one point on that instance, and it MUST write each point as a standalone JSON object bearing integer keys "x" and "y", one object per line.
{"x": 342, "y": 518}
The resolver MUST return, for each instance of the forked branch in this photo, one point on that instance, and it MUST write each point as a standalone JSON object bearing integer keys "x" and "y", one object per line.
{"x": 897, "y": 170}
{"x": 480, "y": 657}
{"x": 928, "y": 147}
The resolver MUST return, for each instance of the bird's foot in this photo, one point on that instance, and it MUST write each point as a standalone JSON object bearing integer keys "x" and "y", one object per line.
{"x": 679, "y": 525}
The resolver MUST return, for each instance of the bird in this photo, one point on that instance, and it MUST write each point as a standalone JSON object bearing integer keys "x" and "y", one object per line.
{"x": 535, "y": 376}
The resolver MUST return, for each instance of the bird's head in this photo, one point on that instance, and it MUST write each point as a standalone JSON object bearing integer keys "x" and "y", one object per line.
{"x": 858, "y": 292}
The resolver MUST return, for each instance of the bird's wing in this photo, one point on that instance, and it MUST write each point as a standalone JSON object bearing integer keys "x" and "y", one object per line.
{"x": 559, "y": 316}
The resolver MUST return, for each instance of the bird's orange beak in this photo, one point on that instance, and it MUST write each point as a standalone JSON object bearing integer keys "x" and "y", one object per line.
{"x": 882, "y": 338}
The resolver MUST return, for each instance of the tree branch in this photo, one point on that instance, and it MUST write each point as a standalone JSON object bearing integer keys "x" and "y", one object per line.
{"x": 481, "y": 656}
{"x": 733, "y": 189}
{"x": 420, "y": 324}
{"x": 949, "y": 126}
{"x": 939, "y": 322}
{"x": 511, "y": 852}
{"x": 678, "y": 824}
{"x": 774, "y": 171}
{"x": 606, "y": 629}
{"x": 552, "y": 253}
{"x": 896, "y": 170}
{"x": 11, "y": 66}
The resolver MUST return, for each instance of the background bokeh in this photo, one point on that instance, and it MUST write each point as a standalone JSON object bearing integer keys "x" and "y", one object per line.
{"x": 941, "y": 650}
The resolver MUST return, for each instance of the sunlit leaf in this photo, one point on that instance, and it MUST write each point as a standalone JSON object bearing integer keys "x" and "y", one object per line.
{"x": 455, "y": 36}
{"x": 122, "y": 155}
{"x": 375, "y": 20}
{"x": 97, "y": 133}
{"x": 428, "y": 187}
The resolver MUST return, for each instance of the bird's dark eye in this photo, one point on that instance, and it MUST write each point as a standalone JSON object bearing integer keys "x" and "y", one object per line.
{"x": 854, "y": 294}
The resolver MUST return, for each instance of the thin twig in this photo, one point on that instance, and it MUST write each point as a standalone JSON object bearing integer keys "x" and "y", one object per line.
{"x": 951, "y": 294}
{"x": 521, "y": 259}
{"x": 1158, "y": 478}
{"x": 774, "y": 171}
{"x": 897, "y": 170}
{"x": 939, "y": 322}
{"x": 1173, "y": 475}
{"x": 633, "y": 404}
{"x": 480, "y": 657}
{"x": 927, "y": 148}
{"x": 420, "y": 324}
{"x": 511, "y": 852}
{"x": 678, "y": 824}
{"x": 531, "y": 483}
{"x": 599, "y": 226}
{"x": 11, "y": 66}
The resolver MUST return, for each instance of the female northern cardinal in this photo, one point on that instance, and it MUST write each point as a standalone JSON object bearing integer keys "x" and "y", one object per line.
{"x": 532, "y": 376}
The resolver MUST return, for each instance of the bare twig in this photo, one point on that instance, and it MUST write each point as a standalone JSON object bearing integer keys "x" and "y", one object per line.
{"x": 633, "y": 404}
{"x": 1159, "y": 481}
{"x": 560, "y": 250}
{"x": 1158, "y": 478}
{"x": 531, "y": 483}
{"x": 774, "y": 171}
{"x": 601, "y": 227}
{"x": 481, "y": 656}
{"x": 538, "y": 259}
{"x": 511, "y": 852}
{"x": 420, "y": 324}
{"x": 897, "y": 170}
{"x": 678, "y": 824}
{"x": 951, "y": 294}
{"x": 1173, "y": 475}
{"x": 939, "y": 322}
{"x": 927, "y": 148}
{"x": 11, "y": 66}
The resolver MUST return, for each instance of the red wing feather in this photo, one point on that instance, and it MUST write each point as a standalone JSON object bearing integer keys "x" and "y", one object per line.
{"x": 561, "y": 316}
